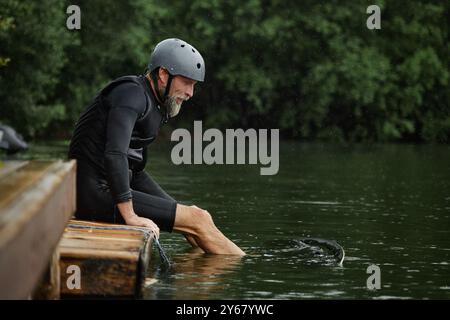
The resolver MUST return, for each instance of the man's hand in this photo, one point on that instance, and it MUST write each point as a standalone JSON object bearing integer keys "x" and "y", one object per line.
{"x": 143, "y": 222}
{"x": 132, "y": 219}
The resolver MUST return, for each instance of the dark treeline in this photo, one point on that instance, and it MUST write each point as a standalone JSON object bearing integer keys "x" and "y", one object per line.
{"x": 311, "y": 68}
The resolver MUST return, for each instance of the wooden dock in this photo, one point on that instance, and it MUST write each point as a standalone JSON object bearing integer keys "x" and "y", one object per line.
{"x": 112, "y": 259}
{"x": 46, "y": 255}
{"x": 37, "y": 198}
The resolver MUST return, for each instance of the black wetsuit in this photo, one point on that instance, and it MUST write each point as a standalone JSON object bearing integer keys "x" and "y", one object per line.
{"x": 110, "y": 144}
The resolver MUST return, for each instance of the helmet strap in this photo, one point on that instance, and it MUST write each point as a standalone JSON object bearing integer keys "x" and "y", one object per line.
{"x": 166, "y": 94}
{"x": 169, "y": 82}
{"x": 154, "y": 76}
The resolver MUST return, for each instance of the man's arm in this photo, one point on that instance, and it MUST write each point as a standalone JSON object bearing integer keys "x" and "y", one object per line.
{"x": 125, "y": 106}
{"x": 120, "y": 125}
{"x": 132, "y": 219}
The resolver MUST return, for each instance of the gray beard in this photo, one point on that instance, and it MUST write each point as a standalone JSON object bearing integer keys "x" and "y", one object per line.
{"x": 172, "y": 107}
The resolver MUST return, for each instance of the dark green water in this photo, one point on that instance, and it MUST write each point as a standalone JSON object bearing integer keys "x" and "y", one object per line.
{"x": 387, "y": 205}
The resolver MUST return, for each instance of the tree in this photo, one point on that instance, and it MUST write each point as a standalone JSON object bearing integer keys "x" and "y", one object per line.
{"x": 34, "y": 45}
{"x": 312, "y": 69}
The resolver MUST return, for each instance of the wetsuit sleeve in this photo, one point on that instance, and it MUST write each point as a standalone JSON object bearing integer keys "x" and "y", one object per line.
{"x": 126, "y": 103}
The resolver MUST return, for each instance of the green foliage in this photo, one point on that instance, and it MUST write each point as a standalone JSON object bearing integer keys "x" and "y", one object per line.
{"x": 311, "y": 68}
{"x": 6, "y": 23}
{"x": 34, "y": 44}
{"x": 113, "y": 41}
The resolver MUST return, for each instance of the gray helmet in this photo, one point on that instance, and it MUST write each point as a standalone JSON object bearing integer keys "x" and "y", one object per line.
{"x": 179, "y": 58}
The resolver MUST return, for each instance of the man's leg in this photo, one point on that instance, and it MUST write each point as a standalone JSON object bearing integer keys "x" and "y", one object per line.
{"x": 191, "y": 240}
{"x": 194, "y": 223}
{"x": 198, "y": 224}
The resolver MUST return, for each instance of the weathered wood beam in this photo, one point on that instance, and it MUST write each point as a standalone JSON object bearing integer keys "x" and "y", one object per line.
{"x": 36, "y": 201}
{"x": 112, "y": 259}
{"x": 49, "y": 286}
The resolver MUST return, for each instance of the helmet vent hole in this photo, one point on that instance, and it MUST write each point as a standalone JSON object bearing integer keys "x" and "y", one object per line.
{"x": 193, "y": 50}
{"x": 182, "y": 45}
{"x": 199, "y": 65}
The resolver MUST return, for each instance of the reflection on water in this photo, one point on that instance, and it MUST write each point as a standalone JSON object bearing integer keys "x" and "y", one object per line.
{"x": 204, "y": 276}
{"x": 193, "y": 273}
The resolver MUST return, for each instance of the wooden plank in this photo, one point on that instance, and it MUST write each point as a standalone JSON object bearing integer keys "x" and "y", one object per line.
{"x": 10, "y": 166}
{"x": 112, "y": 259}
{"x": 115, "y": 245}
{"x": 83, "y": 253}
{"x": 32, "y": 222}
{"x": 100, "y": 277}
{"x": 113, "y": 228}
{"x": 49, "y": 286}
{"x": 15, "y": 184}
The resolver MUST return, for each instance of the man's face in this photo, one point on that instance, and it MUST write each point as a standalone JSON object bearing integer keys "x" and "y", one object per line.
{"x": 181, "y": 89}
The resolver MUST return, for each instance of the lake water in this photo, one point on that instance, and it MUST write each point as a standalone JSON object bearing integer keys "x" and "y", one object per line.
{"x": 387, "y": 205}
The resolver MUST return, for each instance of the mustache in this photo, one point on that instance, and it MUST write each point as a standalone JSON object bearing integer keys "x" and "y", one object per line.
{"x": 179, "y": 96}
{"x": 182, "y": 98}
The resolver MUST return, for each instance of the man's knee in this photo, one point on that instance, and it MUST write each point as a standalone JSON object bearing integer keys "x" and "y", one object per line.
{"x": 202, "y": 219}
{"x": 194, "y": 219}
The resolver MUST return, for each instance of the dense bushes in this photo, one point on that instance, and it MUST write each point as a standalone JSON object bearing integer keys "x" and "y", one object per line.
{"x": 311, "y": 68}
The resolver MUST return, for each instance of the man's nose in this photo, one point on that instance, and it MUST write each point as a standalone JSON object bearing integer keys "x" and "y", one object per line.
{"x": 189, "y": 92}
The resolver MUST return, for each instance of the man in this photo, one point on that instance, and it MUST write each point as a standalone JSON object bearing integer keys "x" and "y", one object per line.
{"x": 110, "y": 142}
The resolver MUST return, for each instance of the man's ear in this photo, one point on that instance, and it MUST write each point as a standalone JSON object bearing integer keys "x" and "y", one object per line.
{"x": 163, "y": 76}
